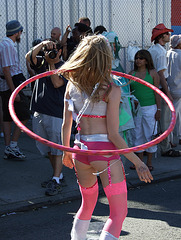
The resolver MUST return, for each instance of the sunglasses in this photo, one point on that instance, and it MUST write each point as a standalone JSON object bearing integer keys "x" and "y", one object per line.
{"x": 167, "y": 33}
{"x": 141, "y": 58}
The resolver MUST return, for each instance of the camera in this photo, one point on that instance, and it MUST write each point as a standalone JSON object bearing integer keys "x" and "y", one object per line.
{"x": 53, "y": 52}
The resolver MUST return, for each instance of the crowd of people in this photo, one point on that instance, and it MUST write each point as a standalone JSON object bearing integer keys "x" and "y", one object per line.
{"x": 105, "y": 112}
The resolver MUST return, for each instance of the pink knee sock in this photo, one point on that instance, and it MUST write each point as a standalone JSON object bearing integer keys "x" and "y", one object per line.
{"x": 117, "y": 197}
{"x": 89, "y": 200}
{"x": 83, "y": 216}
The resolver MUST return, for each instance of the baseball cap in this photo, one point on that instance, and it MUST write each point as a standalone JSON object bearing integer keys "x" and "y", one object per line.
{"x": 13, "y": 27}
{"x": 175, "y": 40}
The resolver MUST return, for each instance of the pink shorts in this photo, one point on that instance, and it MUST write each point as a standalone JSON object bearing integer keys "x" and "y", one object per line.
{"x": 86, "y": 159}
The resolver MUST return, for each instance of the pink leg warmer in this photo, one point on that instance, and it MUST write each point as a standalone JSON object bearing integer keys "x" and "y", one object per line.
{"x": 83, "y": 216}
{"x": 89, "y": 200}
{"x": 117, "y": 197}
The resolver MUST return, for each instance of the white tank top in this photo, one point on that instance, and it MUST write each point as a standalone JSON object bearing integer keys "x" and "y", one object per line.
{"x": 78, "y": 98}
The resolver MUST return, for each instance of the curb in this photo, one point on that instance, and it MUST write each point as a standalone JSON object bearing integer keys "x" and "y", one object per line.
{"x": 75, "y": 195}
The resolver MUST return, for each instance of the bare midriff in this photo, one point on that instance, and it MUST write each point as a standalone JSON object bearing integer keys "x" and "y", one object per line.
{"x": 93, "y": 125}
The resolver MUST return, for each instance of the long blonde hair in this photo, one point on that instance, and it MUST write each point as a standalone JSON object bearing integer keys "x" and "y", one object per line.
{"x": 90, "y": 64}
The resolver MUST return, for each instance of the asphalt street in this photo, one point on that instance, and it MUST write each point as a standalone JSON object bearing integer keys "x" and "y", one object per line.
{"x": 154, "y": 213}
{"x": 20, "y": 181}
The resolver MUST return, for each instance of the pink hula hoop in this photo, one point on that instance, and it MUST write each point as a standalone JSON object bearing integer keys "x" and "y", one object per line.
{"x": 92, "y": 152}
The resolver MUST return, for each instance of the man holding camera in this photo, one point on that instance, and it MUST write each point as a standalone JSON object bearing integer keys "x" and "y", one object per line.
{"x": 47, "y": 105}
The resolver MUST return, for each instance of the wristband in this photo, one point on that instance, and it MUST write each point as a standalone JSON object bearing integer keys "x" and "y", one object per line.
{"x": 158, "y": 109}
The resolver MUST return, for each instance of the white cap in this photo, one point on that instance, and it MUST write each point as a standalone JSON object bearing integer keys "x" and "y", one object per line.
{"x": 175, "y": 40}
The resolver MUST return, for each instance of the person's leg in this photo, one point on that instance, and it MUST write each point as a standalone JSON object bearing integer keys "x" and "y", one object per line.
{"x": 7, "y": 132}
{"x": 50, "y": 156}
{"x": 40, "y": 130}
{"x": 115, "y": 189}
{"x": 137, "y": 131}
{"x": 1, "y": 119}
{"x": 7, "y": 121}
{"x": 56, "y": 162}
{"x": 164, "y": 122}
{"x": 17, "y": 132}
{"x": 89, "y": 191}
{"x": 140, "y": 155}
{"x": 149, "y": 160}
{"x": 177, "y": 128}
{"x": 149, "y": 129}
{"x": 53, "y": 129}
{"x": 23, "y": 113}
{"x": 137, "y": 134}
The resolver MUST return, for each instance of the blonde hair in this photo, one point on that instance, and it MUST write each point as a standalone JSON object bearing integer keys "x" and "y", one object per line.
{"x": 90, "y": 64}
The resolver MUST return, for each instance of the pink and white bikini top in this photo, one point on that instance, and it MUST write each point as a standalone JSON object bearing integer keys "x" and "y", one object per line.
{"x": 77, "y": 100}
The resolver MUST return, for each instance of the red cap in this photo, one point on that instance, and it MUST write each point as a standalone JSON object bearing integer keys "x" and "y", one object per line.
{"x": 158, "y": 30}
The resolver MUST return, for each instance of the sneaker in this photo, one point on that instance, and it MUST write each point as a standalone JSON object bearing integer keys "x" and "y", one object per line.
{"x": 53, "y": 188}
{"x": 45, "y": 183}
{"x": 172, "y": 153}
{"x": 10, "y": 153}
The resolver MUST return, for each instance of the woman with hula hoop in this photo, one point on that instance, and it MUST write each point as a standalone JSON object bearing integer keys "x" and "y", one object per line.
{"x": 93, "y": 101}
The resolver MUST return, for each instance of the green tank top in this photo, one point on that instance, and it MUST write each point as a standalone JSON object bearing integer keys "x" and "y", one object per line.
{"x": 144, "y": 94}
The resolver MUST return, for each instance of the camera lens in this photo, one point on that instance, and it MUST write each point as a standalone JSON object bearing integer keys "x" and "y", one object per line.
{"x": 52, "y": 54}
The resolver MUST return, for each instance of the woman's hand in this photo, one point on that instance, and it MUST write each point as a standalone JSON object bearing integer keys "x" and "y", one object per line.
{"x": 136, "y": 104}
{"x": 143, "y": 172}
{"x": 157, "y": 115}
{"x": 67, "y": 160}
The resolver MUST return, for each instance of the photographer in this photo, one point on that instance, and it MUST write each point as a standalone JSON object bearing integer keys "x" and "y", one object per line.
{"x": 47, "y": 105}
{"x": 69, "y": 45}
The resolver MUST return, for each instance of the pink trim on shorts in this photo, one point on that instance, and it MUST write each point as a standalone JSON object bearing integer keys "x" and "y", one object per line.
{"x": 87, "y": 159}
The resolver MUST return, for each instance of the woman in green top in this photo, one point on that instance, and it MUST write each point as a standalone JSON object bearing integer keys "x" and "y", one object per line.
{"x": 149, "y": 112}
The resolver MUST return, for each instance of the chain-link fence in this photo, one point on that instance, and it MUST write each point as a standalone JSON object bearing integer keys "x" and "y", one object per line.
{"x": 132, "y": 20}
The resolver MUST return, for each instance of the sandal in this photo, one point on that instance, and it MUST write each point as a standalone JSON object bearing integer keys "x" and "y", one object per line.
{"x": 172, "y": 153}
{"x": 132, "y": 167}
{"x": 150, "y": 168}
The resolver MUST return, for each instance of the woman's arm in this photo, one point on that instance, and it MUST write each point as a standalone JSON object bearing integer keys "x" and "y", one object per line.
{"x": 64, "y": 42}
{"x": 66, "y": 131}
{"x": 114, "y": 136}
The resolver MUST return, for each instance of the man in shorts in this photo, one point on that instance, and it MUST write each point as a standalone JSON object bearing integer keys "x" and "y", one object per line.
{"x": 10, "y": 77}
{"x": 47, "y": 104}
